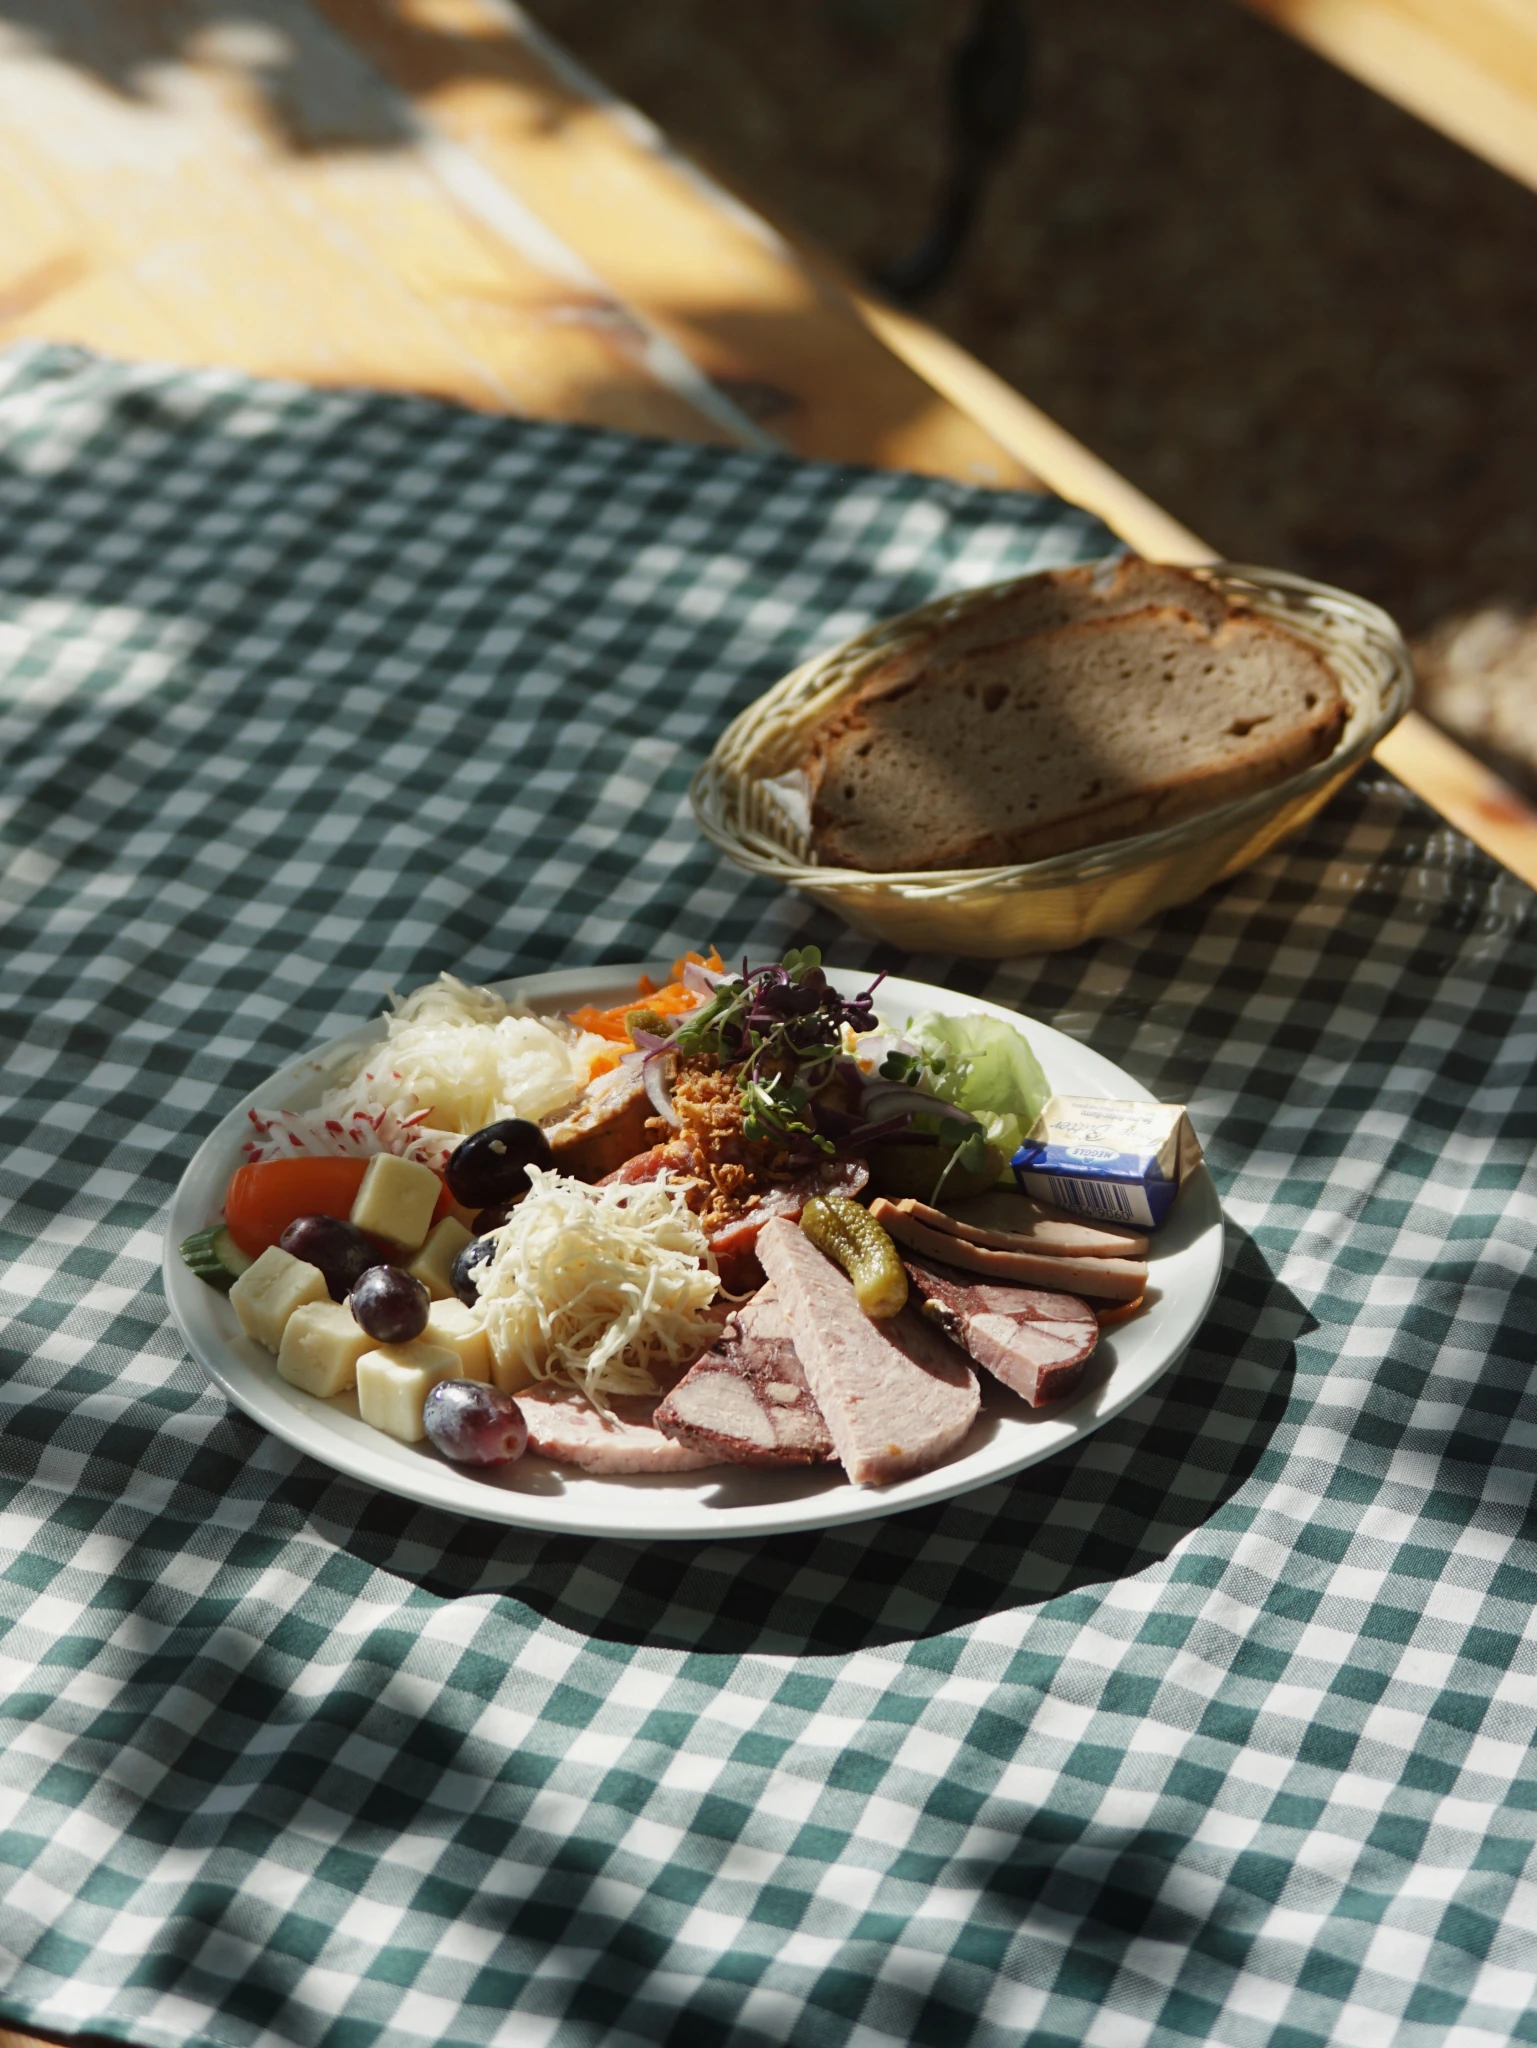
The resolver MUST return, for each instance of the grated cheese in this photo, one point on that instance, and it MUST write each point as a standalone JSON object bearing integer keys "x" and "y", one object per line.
{"x": 454, "y": 1059}
{"x": 599, "y": 1286}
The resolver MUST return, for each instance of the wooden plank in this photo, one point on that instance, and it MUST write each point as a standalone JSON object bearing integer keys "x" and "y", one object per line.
{"x": 182, "y": 225}
{"x": 710, "y": 274}
{"x": 1467, "y": 67}
{"x": 1465, "y": 792}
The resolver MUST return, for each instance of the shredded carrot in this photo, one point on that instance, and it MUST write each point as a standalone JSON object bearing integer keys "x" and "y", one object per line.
{"x": 715, "y": 963}
{"x": 605, "y": 1063}
{"x": 670, "y": 1001}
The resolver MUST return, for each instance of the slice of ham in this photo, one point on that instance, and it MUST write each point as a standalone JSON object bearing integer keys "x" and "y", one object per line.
{"x": 564, "y": 1425}
{"x": 1107, "y": 1279}
{"x": 735, "y": 1244}
{"x": 1037, "y": 1342}
{"x": 747, "y": 1400}
{"x": 1013, "y": 1223}
{"x": 897, "y": 1396}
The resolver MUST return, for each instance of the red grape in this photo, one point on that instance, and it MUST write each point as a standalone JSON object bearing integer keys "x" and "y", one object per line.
{"x": 474, "y": 1424}
{"x": 340, "y": 1250}
{"x": 391, "y": 1305}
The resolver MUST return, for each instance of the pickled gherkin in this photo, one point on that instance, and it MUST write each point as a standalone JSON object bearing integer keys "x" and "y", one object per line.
{"x": 851, "y": 1236}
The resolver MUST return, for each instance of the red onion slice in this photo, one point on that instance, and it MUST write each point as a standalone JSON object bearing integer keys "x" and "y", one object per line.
{"x": 884, "y": 1099}
{"x": 701, "y": 981}
{"x": 655, "y": 1071}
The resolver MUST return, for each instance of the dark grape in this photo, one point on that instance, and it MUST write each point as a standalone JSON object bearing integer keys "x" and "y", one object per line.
{"x": 474, "y": 1424}
{"x": 461, "y": 1272}
{"x": 488, "y": 1167}
{"x": 340, "y": 1250}
{"x": 391, "y": 1304}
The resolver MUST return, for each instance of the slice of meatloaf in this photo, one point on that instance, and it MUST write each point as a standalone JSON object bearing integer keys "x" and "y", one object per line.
{"x": 747, "y": 1401}
{"x": 563, "y": 1425}
{"x": 897, "y": 1396}
{"x": 1038, "y": 1343}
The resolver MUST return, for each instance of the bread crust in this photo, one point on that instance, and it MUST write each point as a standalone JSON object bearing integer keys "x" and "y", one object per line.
{"x": 917, "y": 772}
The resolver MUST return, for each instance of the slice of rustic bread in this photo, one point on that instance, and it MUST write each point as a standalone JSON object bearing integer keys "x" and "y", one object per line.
{"x": 1054, "y": 597}
{"x": 1068, "y": 733}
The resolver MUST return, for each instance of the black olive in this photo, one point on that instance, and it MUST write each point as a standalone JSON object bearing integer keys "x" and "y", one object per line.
{"x": 489, "y": 1167}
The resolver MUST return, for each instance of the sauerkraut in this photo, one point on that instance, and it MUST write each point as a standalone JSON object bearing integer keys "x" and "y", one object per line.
{"x": 601, "y": 1287}
{"x": 454, "y": 1059}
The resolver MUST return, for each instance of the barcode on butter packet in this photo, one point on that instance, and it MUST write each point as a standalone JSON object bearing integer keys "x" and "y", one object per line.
{"x": 1118, "y": 1161}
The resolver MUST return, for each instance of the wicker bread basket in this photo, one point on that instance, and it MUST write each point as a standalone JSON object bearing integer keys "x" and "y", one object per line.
{"x": 744, "y": 800}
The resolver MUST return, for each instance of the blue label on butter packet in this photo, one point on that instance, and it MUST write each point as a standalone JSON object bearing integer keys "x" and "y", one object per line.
{"x": 1116, "y": 1162}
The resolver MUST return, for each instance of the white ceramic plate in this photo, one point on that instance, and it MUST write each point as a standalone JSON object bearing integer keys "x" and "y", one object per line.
{"x": 724, "y": 1500}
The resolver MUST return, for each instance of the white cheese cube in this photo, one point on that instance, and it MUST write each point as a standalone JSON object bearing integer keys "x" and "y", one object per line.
{"x": 396, "y": 1201}
{"x": 394, "y": 1381}
{"x": 460, "y": 1330}
{"x": 268, "y": 1292}
{"x": 432, "y": 1262}
{"x": 321, "y": 1348}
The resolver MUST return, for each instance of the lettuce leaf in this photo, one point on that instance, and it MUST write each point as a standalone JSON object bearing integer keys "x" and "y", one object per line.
{"x": 985, "y": 1066}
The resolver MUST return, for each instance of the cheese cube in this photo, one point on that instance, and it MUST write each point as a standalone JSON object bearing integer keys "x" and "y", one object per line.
{"x": 268, "y": 1292}
{"x": 432, "y": 1262}
{"x": 394, "y": 1381}
{"x": 460, "y": 1330}
{"x": 321, "y": 1348}
{"x": 396, "y": 1201}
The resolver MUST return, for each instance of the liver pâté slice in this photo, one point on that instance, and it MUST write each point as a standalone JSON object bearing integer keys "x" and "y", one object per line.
{"x": 897, "y": 1396}
{"x": 747, "y": 1400}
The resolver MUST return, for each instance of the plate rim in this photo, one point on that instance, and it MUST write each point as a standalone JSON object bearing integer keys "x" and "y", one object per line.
{"x": 443, "y": 1487}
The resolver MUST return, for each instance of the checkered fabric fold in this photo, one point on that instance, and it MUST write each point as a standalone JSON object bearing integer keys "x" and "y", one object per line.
{"x": 1218, "y": 1727}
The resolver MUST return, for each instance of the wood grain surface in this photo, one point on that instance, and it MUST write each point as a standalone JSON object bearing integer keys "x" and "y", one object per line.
{"x": 1467, "y": 67}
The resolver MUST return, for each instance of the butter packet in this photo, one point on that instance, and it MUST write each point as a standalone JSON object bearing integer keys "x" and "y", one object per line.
{"x": 1119, "y": 1162}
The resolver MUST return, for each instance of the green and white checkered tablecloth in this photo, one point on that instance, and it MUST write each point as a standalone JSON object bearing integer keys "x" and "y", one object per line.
{"x": 1217, "y": 1728}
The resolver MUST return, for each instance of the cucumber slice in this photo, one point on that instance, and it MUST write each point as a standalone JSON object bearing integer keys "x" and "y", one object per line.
{"x": 215, "y": 1257}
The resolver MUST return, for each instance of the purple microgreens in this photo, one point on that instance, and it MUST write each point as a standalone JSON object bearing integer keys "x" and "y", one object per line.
{"x": 782, "y": 1026}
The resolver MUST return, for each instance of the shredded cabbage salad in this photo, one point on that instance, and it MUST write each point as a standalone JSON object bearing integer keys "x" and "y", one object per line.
{"x": 452, "y": 1059}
